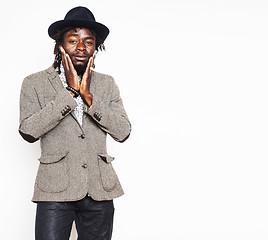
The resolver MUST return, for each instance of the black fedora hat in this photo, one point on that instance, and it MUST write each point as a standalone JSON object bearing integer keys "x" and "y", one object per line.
{"x": 79, "y": 17}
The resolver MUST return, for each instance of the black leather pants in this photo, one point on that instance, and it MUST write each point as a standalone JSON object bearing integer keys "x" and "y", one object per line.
{"x": 93, "y": 219}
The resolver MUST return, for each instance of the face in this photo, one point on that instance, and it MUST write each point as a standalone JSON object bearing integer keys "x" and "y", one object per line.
{"x": 80, "y": 46}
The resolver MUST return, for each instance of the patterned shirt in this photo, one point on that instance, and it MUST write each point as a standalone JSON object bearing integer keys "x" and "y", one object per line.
{"x": 78, "y": 111}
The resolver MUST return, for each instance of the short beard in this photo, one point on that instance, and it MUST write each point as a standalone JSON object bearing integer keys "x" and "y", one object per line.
{"x": 80, "y": 69}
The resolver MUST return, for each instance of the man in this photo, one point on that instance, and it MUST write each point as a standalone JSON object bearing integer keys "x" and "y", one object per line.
{"x": 71, "y": 108}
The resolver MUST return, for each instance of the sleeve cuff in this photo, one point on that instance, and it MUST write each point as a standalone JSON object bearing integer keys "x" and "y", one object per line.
{"x": 94, "y": 110}
{"x": 66, "y": 102}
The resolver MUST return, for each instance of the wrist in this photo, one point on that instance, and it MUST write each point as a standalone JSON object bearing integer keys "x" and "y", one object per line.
{"x": 73, "y": 91}
{"x": 87, "y": 98}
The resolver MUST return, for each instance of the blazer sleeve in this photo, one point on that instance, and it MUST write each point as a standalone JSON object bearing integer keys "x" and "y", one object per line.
{"x": 111, "y": 117}
{"x": 36, "y": 121}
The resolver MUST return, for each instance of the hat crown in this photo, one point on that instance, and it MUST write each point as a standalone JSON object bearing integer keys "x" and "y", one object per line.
{"x": 80, "y": 13}
{"x": 79, "y": 17}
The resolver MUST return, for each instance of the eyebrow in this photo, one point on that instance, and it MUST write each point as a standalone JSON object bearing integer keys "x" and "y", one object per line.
{"x": 76, "y": 35}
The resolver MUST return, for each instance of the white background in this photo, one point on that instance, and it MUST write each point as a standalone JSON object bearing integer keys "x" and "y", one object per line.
{"x": 193, "y": 77}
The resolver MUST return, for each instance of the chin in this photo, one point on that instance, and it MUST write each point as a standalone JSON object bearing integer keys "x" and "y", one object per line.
{"x": 80, "y": 69}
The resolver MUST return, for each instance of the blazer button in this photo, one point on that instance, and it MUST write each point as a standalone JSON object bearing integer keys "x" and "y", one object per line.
{"x": 83, "y": 136}
{"x": 84, "y": 166}
{"x": 97, "y": 116}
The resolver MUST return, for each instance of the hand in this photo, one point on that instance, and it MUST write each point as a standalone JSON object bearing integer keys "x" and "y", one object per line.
{"x": 86, "y": 79}
{"x": 70, "y": 72}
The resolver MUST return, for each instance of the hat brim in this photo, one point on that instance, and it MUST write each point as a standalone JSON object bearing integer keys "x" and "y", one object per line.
{"x": 101, "y": 30}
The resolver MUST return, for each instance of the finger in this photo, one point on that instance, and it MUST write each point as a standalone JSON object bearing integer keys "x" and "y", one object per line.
{"x": 88, "y": 68}
{"x": 70, "y": 63}
{"x": 62, "y": 49}
{"x": 67, "y": 62}
{"x": 94, "y": 54}
{"x": 64, "y": 61}
{"x": 90, "y": 63}
{"x": 88, "y": 72}
{"x": 93, "y": 59}
{"x": 87, "y": 75}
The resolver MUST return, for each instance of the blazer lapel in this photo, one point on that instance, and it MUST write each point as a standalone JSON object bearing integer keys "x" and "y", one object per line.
{"x": 55, "y": 81}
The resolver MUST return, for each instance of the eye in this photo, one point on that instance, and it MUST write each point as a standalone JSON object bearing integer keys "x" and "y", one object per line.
{"x": 88, "y": 42}
{"x": 73, "y": 41}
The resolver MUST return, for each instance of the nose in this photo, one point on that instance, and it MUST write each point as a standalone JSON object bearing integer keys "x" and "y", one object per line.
{"x": 81, "y": 46}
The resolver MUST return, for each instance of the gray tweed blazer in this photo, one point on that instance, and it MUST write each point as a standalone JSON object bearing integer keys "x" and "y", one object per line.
{"x": 74, "y": 160}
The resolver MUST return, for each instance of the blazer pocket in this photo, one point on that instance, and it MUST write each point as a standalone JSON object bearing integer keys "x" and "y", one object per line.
{"x": 108, "y": 175}
{"x": 53, "y": 173}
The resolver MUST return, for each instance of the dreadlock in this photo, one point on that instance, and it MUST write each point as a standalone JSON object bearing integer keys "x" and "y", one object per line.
{"x": 59, "y": 41}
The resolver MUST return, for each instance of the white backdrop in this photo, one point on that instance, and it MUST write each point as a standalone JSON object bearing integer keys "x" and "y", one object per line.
{"x": 193, "y": 77}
